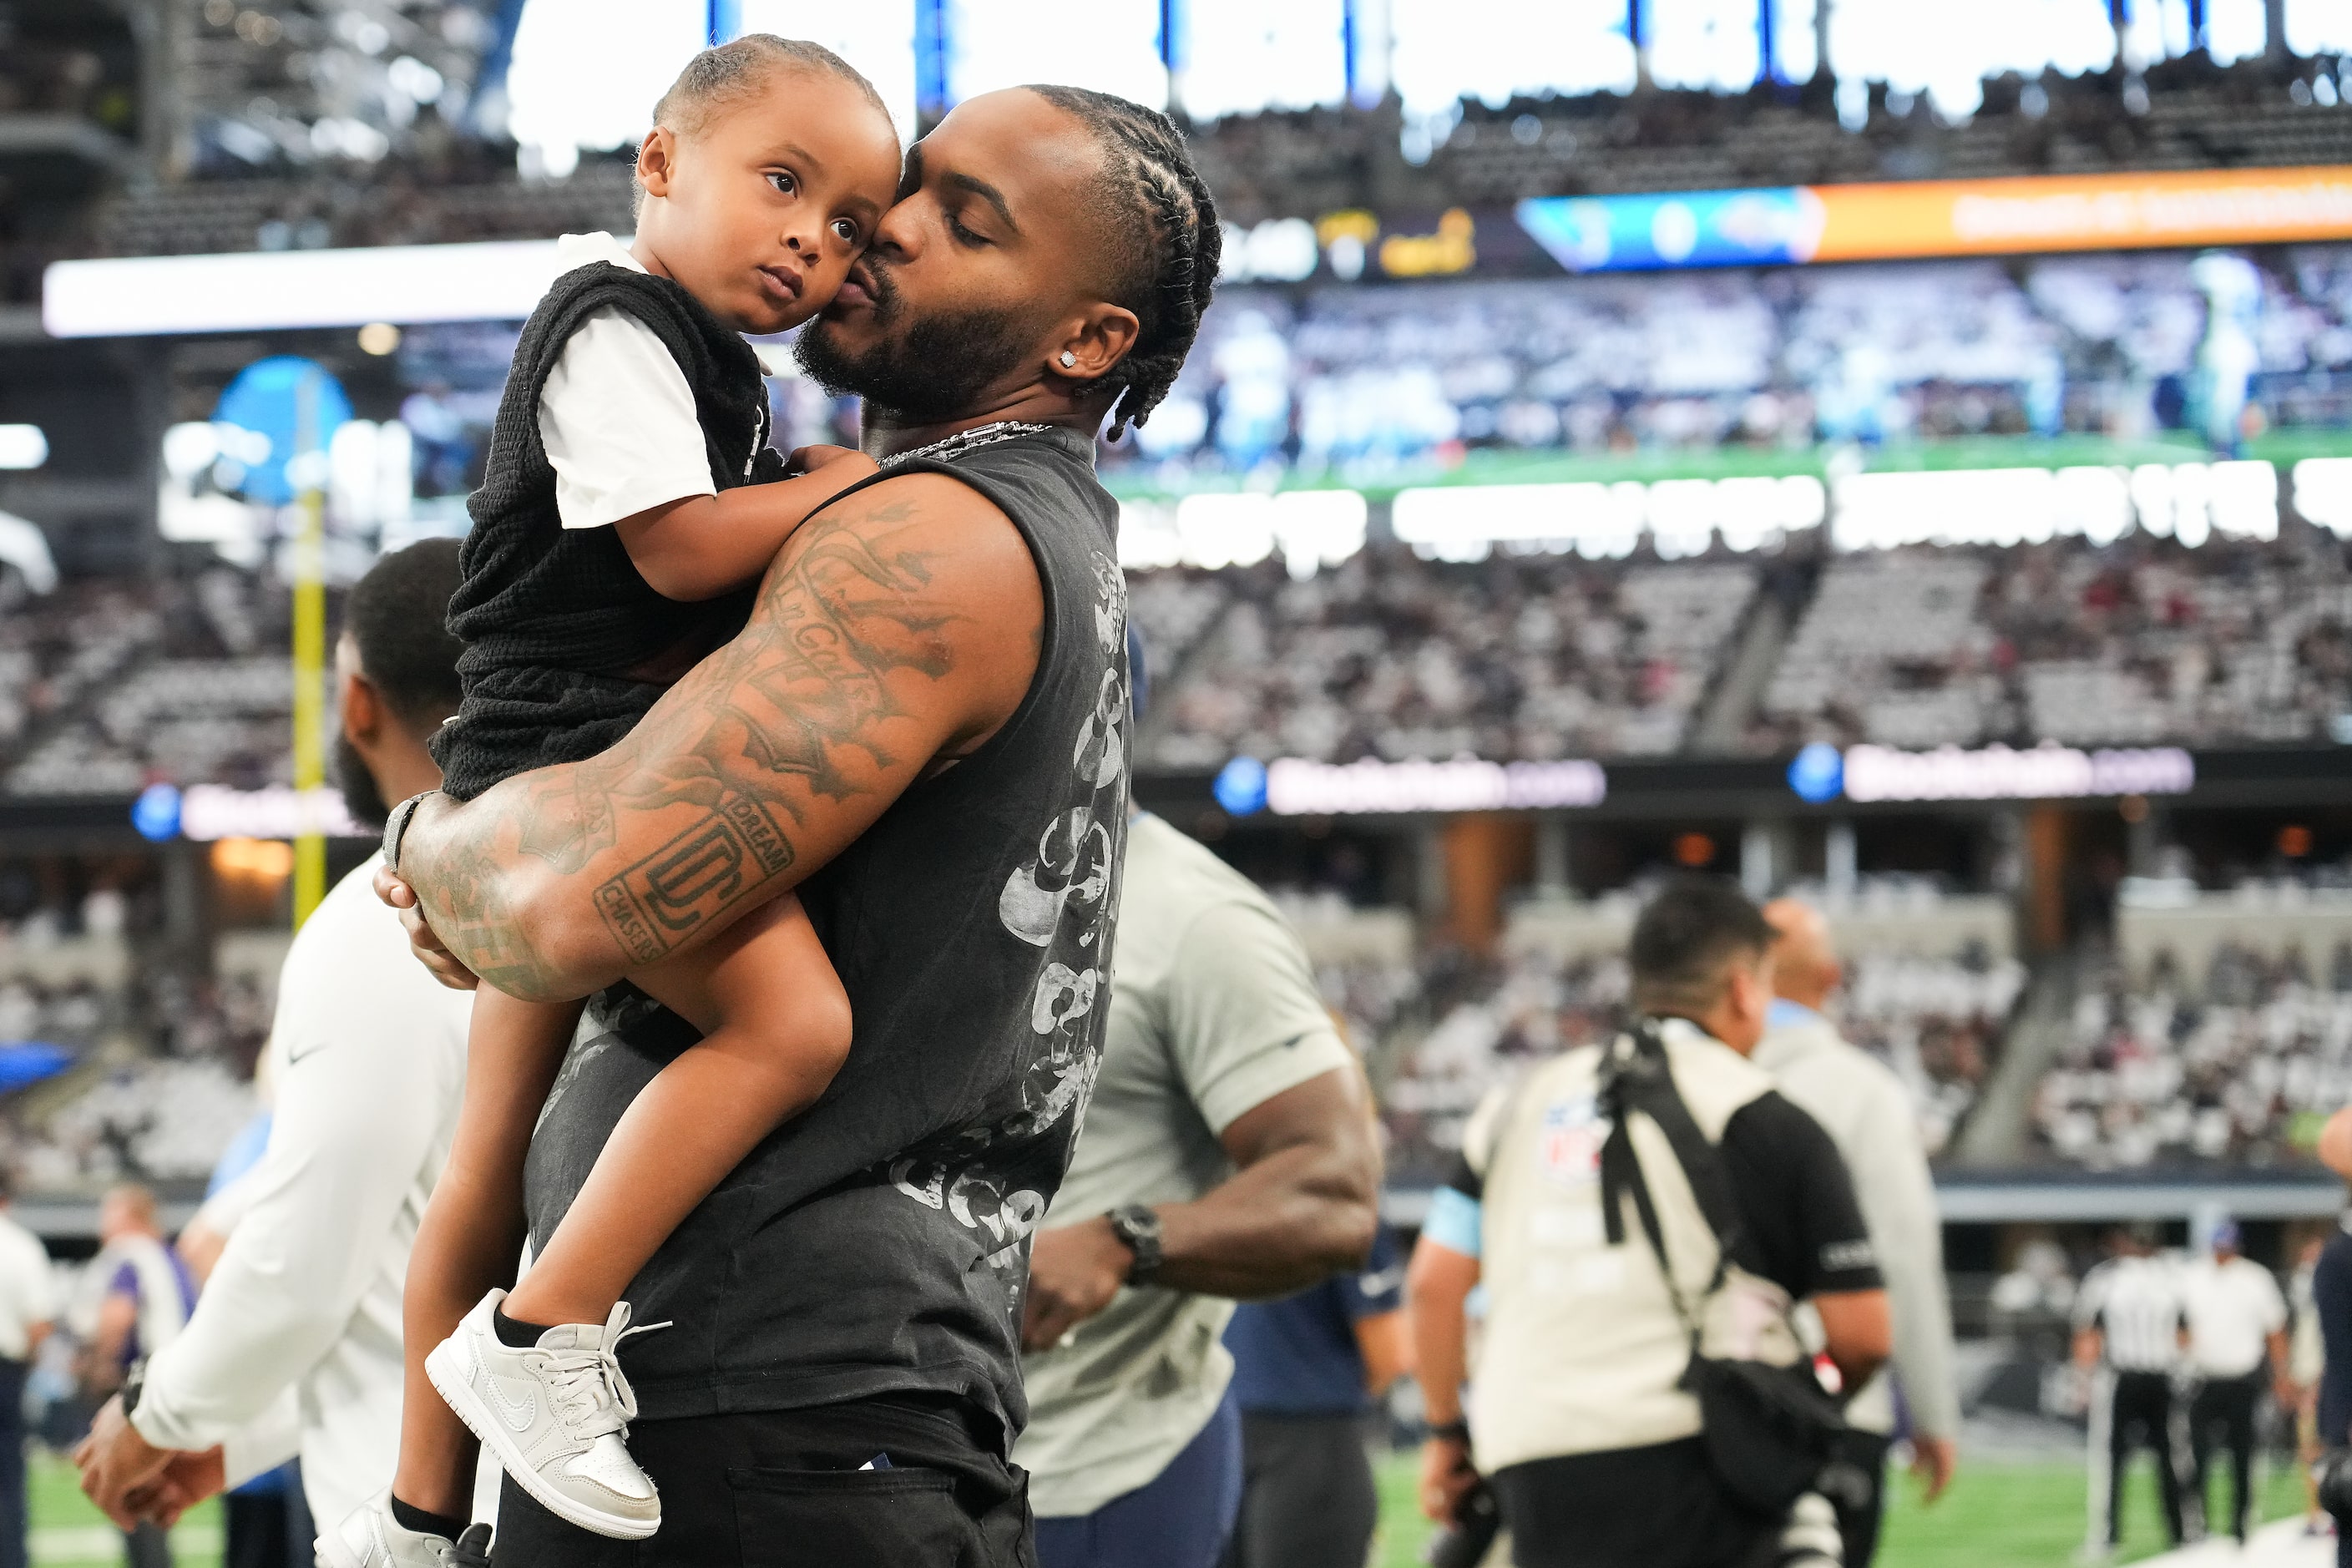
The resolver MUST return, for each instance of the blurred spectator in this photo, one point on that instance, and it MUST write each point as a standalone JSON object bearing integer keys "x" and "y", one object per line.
{"x": 27, "y": 1311}
{"x": 137, "y": 1296}
{"x": 1309, "y": 1370}
{"x": 1867, "y": 1113}
{"x": 2131, "y": 1325}
{"x": 2238, "y": 1349}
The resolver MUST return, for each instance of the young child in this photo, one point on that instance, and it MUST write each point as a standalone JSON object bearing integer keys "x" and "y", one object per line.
{"x": 616, "y": 536}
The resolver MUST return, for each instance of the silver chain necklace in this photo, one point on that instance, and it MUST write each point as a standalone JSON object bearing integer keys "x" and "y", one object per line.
{"x": 965, "y": 440}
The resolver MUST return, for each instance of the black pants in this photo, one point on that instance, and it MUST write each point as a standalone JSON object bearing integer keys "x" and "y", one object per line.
{"x": 1859, "y": 1494}
{"x": 12, "y": 1463}
{"x": 270, "y": 1529}
{"x": 785, "y": 1487}
{"x": 1659, "y": 1507}
{"x": 2224, "y": 1409}
{"x": 1307, "y": 1495}
{"x": 2138, "y": 1413}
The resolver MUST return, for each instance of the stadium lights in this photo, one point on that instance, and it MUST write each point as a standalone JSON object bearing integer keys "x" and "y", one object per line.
{"x": 2028, "y": 506}
{"x": 155, "y": 296}
{"x": 1598, "y": 520}
{"x": 2323, "y": 493}
{"x": 23, "y": 447}
{"x": 1312, "y": 528}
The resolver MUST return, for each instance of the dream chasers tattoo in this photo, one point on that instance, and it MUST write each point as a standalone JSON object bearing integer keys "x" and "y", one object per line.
{"x": 800, "y": 706}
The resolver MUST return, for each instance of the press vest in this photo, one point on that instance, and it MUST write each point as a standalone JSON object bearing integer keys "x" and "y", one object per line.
{"x": 1583, "y": 1347}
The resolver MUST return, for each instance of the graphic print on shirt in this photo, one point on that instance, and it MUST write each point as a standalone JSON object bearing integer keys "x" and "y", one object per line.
{"x": 1058, "y": 901}
{"x": 1568, "y": 1147}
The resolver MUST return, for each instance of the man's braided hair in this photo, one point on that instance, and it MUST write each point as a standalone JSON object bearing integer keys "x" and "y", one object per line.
{"x": 1163, "y": 269}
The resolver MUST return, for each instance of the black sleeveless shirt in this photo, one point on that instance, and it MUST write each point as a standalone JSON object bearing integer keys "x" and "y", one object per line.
{"x": 878, "y": 1243}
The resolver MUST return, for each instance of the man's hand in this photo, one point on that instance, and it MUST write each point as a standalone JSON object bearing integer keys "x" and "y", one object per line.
{"x": 427, "y": 947}
{"x": 1446, "y": 1477}
{"x": 117, "y": 1466}
{"x": 1073, "y": 1272}
{"x": 193, "y": 1476}
{"x": 1933, "y": 1460}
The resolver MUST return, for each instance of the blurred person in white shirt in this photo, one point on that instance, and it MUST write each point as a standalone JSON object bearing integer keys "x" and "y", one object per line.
{"x": 1869, "y": 1116}
{"x": 296, "y": 1346}
{"x": 28, "y": 1309}
{"x": 2238, "y": 1349}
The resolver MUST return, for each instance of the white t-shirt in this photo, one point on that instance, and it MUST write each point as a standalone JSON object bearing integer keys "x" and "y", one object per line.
{"x": 615, "y": 414}
{"x": 1213, "y": 1012}
{"x": 28, "y": 1289}
{"x": 369, "y": 1054}
{"x": 2233, "y": 1308}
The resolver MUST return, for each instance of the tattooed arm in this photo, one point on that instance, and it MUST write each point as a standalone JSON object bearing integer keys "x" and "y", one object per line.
{"x": 896, "y": 632}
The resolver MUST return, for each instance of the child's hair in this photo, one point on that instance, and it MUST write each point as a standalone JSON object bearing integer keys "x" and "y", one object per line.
{"x": 723, "y": 76}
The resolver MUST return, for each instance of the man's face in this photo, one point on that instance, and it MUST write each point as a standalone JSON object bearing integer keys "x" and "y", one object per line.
{"x": 970, "y": 276}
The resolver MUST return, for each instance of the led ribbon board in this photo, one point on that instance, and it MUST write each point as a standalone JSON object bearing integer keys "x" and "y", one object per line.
{"x": 1799, "y": 224}
{"x": 2047, "y": 771}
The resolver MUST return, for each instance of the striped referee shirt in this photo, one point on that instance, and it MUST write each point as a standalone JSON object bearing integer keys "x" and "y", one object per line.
{"x": 2137, "y": 1305}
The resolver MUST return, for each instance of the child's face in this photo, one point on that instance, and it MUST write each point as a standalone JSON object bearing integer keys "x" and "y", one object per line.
{"x": 759, "y": 214}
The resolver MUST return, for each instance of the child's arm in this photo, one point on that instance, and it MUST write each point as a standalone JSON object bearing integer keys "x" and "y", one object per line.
{"x": 699, "y": 547}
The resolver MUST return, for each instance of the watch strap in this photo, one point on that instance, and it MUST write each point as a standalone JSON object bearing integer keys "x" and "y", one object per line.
{"x": 395, "y": 826}
{"x": 1138, "y": 1227}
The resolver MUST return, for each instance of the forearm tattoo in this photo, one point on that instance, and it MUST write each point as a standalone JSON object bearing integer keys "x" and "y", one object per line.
{"x": 782, "y": 738}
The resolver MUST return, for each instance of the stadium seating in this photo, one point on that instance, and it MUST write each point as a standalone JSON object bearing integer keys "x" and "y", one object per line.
{"x": 1392, "y": 656}
{"x": 109, "y": 685}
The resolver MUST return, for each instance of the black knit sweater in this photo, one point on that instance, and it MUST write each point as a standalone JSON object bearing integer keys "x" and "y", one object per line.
{"x": 554, "y": 619}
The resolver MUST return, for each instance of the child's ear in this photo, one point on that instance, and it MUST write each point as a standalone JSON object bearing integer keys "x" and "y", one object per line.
{"x": 658, "y": 160}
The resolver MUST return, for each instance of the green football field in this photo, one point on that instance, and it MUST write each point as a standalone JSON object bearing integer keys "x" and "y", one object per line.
{"x": 1495, "y": 466}
{"x": 2014, "y": 1515}
{"x": 2019, "y": 1516}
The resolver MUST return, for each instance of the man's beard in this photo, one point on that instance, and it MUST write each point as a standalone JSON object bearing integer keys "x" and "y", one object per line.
{"x": 360, "y": 797}
{"x": 921, "y": 371}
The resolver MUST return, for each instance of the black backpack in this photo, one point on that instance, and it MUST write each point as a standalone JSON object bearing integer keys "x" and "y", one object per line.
{"x": 1770, "y": 1431}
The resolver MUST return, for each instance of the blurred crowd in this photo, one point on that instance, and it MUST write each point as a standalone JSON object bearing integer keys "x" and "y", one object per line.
{"x": 1361, "y": 381}
{"x": 1393, "y": 657}
{"x": 2143, "y": 640}
{"x": 108, "y": 685}
{"x": 2139, "y": 641}
{"x": 2236, "y": 1066}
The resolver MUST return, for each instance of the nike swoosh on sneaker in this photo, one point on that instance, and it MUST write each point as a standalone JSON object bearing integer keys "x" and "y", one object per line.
{"x": 517, "y": 1414}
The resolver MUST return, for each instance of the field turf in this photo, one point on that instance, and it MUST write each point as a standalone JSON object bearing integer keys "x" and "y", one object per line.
{"x": 2019, "y": 1516}
{"x": 2013, "y": 1515}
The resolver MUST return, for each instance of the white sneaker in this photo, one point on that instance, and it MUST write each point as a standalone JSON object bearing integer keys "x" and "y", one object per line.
{"x": 555, "y": 1414}
{"x": 371, "y": 1538}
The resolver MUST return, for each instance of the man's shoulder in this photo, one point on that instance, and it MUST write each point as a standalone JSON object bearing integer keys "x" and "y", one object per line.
{"x": 1177, "y": 876}
{"x": 1815, "y": 1054}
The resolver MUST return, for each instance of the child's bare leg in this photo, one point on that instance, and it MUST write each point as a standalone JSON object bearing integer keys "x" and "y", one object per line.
{"x": 472, "y": 1233}
{"x": 775, "y": 1026}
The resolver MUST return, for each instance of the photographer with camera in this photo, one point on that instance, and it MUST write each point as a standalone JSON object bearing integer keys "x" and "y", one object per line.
{"x": 1646, "y": 1216}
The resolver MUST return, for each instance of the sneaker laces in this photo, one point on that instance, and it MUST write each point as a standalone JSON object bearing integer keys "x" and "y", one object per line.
{"x": 590, "y": 1395}
{"x": 471, "y": 1550}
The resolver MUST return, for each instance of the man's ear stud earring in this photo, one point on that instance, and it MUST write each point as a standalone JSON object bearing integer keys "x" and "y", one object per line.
{"x": 1068, "y": 359}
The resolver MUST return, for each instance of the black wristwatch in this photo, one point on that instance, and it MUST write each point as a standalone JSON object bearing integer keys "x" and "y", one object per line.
{"x": 1138, "y": 1228}
{"x": 134, "y": 1384}
{"x": 1450, "y": 1431}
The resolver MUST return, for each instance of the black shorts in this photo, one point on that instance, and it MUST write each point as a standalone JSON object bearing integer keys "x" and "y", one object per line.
{"x": 786, "y": 1488}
